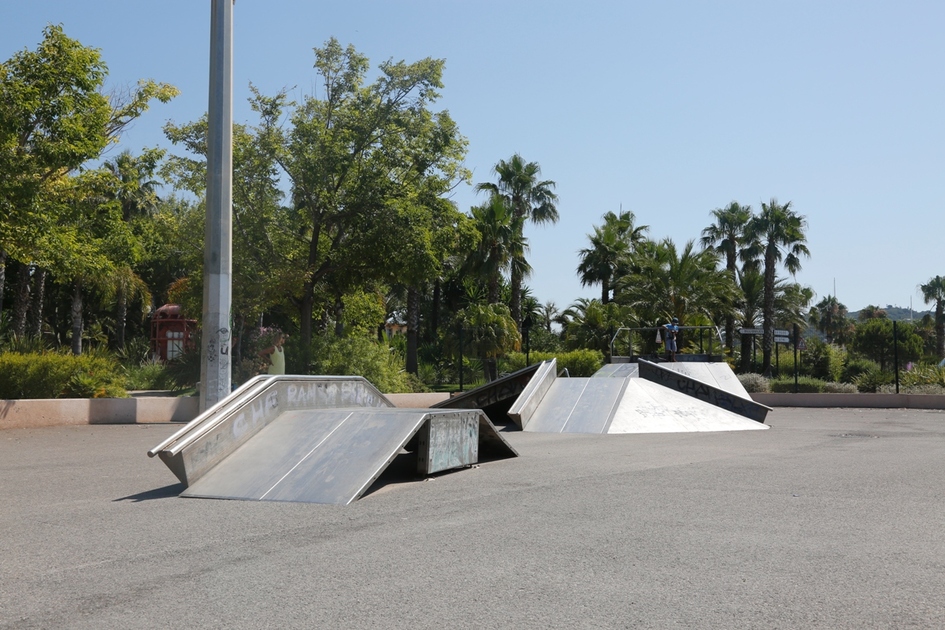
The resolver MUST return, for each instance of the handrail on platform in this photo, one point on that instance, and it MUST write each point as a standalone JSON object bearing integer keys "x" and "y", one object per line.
{"x": 653, "y": 329}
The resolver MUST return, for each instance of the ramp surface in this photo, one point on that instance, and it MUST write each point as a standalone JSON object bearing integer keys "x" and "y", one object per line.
{"x": 325, "y": 456}
{"x": 647, "y": 407}
{"x": 577, "y": 405}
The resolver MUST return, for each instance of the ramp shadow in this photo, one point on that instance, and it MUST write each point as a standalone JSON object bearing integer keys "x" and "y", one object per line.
{"x": 166, "y": 492}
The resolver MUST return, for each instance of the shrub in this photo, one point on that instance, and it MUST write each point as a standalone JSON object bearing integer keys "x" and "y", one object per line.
{"x": 823, "y": 361}
{"x": 928, "y": 389}
{"x": 754, "y": 383}
{"x": 577, "y": 362}
{"x": 805, "y": 385}
{"x": 148, "y": 375}
{"x": 840, "y": 388}
{"x": 360, "y": 356}
{"x": 923, "y": 375}
{"x": 855, "y": 367}
{"x": 53, "y": 375}
{"x": 871, "y": 381}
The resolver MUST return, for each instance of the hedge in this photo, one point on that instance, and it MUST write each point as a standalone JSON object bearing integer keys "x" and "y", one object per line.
{"x": 52, "y": 375}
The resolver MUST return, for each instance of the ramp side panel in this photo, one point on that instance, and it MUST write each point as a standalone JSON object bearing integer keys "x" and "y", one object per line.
{"x": 236, "y": 425}
{"x": 717, "y": 374}
{"x": 528, "y": 401}
{"x": 555, "y": 409}
{"x": 650, "y": 408}
{"x": 703, "y": 391}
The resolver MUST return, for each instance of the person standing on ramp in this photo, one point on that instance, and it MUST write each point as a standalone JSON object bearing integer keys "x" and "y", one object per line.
{"x": 671, "y": 334}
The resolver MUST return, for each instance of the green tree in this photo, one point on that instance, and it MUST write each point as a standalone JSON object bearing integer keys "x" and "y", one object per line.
{"x": 530, "y": 199}
{"x": 874, "y": 340}
{"x": 499, "y": 240}
{"x": 777, "y": 234}
{"x": 592, "y": 324}
{"x": 933, "y": 291}
{"x": 667, "y": 282}
{"x": 830, "y": 317}
{"x": 728, "y": 236}
{"x": 611, "y": 246}
{"x": 489, "y": 332}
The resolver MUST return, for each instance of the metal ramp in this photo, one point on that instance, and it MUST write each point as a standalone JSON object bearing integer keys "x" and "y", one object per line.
{"x": 493, "y": 398}
{"x": 647, "y": 399}
{"x": 318, "y": 440}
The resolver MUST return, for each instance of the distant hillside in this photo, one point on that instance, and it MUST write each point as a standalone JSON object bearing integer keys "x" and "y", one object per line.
{"x": 896, "y": 313}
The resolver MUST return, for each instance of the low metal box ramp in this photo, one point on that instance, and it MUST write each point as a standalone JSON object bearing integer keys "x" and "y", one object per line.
{"x": 334, "y": 455}
{"x": 220, "y": 430}
{"x": 493, "y": 398}
{"x": 720, "y": 395}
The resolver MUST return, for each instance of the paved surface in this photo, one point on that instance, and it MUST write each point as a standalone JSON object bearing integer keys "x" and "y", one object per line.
{"x": 832, "y": 519}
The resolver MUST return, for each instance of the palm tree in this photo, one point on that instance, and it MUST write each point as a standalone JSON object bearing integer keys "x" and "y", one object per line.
{"x": 592, "y": 324}
{"x": 777, "y": 234}
{"x": 728, "y": 237}
{"x": 872, "y": 311}
{"x": 934, "y": 291}
{"x": 831, "y": 317}
{"x": 530, "y": 199}
{"x": 686, "y": 284}
{"x": 611, "y": 245}
{"x": 500, "y": 241}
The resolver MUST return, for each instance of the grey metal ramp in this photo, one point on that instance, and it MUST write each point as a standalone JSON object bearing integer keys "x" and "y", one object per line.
{"x": 493, "y": 398}
{"x": 577, "y": 405}
{"x": 220, "y": 430}
{"x": 527, "y": 403}
{"x": 716, "y": 373}
{"x": 648, "y": 407}
{"x": 333, "y": 456}
{"x": 617, "y": 370}
{"x": 703, "y": 391}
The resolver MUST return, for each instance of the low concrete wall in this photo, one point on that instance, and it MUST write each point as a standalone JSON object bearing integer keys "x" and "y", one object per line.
{"x": 19, "y": 414}
{"x": 422, "y": 400}
{"x": 875, "y": 401}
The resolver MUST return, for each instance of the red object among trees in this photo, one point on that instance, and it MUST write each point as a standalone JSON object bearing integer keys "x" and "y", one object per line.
{"x": 171, "y": 333}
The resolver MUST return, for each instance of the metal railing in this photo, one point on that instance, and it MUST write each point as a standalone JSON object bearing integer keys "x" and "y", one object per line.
{"x": 715, "y": 335}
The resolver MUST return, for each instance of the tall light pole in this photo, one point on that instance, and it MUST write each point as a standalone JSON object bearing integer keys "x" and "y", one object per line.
{"x": 215, "y": 366}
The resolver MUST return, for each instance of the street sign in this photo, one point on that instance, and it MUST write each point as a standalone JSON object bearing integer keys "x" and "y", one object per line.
{"x": 780, "y": 339}
{"x": 778, "y": 332}
{"x": 751, "y": 331}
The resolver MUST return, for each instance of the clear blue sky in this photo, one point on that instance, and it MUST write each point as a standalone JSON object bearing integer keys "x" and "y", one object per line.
{"x": 669, "y": 109}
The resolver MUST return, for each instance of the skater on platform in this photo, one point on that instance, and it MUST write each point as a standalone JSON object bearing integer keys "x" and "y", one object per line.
{"x": 670, "y": 336}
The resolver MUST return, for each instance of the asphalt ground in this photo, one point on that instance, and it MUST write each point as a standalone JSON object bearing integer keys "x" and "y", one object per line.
{"x": 832, "y": 519}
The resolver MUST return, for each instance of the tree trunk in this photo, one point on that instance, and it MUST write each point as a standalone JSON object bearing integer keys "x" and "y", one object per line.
{"x": 339, "y": 318}
{"x": 306, "y": 312}
{"x": 413, "y": 324}
{"x": 940, "y": 329}
{"x": 768, "y": 340}
{"x": 39, "y": 293}
{"x": 747, "y": 341}
{"x": 121, "y": 316}
{"x": 515, "y": 305}
{"x": 3, "y": 278}
{"x": 435, "y": 310}
{"x": 77, "y": 318}
{"x": 21, "y": 304}
{"x": 604, "y": 291}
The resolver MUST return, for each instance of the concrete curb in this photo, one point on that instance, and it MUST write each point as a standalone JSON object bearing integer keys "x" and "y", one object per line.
{"x": 29, "y": 413}
{"x": 853, "y": 401}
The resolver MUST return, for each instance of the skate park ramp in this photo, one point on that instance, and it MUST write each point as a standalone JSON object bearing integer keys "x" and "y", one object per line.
{"x": 608, "y": 403}
{"x": 493, "y": 398}
{"x": 317, "y": 439}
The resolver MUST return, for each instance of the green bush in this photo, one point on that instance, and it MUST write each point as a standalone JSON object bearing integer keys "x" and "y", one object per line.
{"x": 823, "y": 361}
{"x": 855, "y": 367}
{"x": 360, "y": 356}
{"x": 805, "y": 385}
{"x": 578, "y": 362}
{"x": 870, "y": 382}
{"x": 754, "y": 383}
{"x": 148, "y": 375}
{"x": 53, "y": 375}
{"x": 923, "y": 375}
{"x": 840, "y": 388}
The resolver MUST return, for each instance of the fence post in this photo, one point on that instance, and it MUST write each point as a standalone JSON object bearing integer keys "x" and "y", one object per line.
{"x": 896, "y": 352}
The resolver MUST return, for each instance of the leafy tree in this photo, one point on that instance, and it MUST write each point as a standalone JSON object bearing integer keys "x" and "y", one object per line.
{"x": 611, "y": 246}
{"x": 873, "y": 339}
{"x": 933, "y": 291}
{"x": 829, "y": 316}
{"x": 777, "y": 234}
{"x": 871, "y": 311}
{"x": 667, "y": 282}
{"x": 592, "y": 324}
{"x": 499, "y": 242}
{"x": 530, "y": 199}
{"x": 729, "y": 237}
{"x": 489, "y": 331}
{"x": 54, "y": 118}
